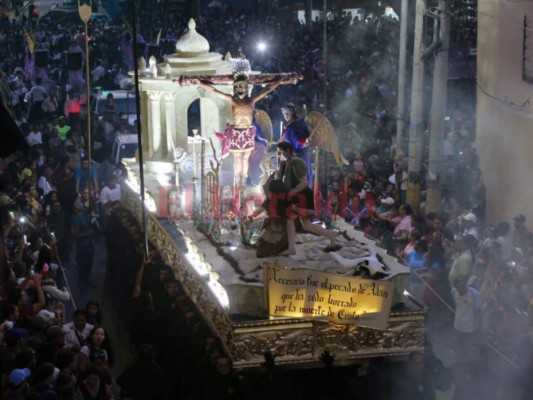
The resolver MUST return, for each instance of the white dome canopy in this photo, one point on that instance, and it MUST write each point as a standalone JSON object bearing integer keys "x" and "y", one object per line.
{"x": 192, "y": 43}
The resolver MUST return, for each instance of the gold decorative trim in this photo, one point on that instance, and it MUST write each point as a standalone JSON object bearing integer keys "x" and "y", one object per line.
{"x": 285, "y": 344}
{"x": 194, "y": 286}
{"x": 345, "y": 342}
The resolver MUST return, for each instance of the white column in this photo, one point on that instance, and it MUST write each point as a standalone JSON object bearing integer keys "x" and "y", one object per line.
{"x": 146, "y": 137}
{"x": 170, "y": 117}
{"x": 154, "y": 116}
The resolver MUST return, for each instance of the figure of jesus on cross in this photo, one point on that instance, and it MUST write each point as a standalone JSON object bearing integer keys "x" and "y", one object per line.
{"x": 241, "y": 133}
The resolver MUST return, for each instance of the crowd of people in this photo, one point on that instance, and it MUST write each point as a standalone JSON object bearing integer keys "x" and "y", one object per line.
{"x": 55, "y": 204}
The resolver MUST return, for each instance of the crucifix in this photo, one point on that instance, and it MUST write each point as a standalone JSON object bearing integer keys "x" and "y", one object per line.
{"x": 241, "y": 133}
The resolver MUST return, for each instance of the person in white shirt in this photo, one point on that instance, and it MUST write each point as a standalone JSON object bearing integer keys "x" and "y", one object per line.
{"x": 469, "y": 224}
{"x": 110, "y": 193}
{"x": 35, "y": 136}
{"x": 49, "y": 285}
{"x": 98, "y": 72}
{"x": 55, "y": 297}
{"x": 44, "y": 181}
{"x": 505, "y": 239}
{"x": 77, "y": 331}
{"x": 467, "y": 322}
{"x": 38, "y": 93}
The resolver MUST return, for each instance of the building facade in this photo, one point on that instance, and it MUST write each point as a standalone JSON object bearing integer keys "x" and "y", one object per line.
{"x": 504, "y": 108}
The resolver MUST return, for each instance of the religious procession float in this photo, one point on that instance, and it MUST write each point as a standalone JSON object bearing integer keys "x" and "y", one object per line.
{"x": 334, "y": 291}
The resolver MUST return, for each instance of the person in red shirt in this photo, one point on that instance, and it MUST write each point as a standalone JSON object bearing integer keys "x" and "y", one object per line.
{"x": 73, "y": 110}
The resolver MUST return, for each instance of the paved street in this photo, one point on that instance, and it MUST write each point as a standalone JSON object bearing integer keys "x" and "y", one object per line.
{"x": 96, "y": 291}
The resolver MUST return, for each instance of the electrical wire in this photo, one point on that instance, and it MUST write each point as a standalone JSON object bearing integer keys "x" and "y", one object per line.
{"x": 505, "y": 101}
{"x": 490, "y": 95}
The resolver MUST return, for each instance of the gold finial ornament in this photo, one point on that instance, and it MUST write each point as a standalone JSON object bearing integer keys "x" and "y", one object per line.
{"x": 85, "y": 11}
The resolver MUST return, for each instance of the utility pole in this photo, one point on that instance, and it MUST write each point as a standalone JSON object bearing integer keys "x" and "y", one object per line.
{"x": 308, "y": 13}
{"x": 415, "y": 128}
{"x": 400, "y": 121}
{"x": 438, "y": 110}
{"x": 325, "y": 53}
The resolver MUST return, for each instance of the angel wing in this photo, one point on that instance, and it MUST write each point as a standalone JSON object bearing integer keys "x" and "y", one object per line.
{"x": 304, "y": 112}
{"x": 264, "y": 122}
{"x": 323, "y": 135}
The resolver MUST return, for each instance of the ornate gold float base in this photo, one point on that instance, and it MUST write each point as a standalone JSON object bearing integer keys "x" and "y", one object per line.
{"x": 302, "y": 342}
{"x": 293, "y": 341}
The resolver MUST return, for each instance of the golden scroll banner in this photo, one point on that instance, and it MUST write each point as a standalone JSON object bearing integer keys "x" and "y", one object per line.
{"x": 305, "y": 293}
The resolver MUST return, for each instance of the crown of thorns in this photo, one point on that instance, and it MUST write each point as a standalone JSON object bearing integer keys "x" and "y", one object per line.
{"x": 240, "y": 77}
